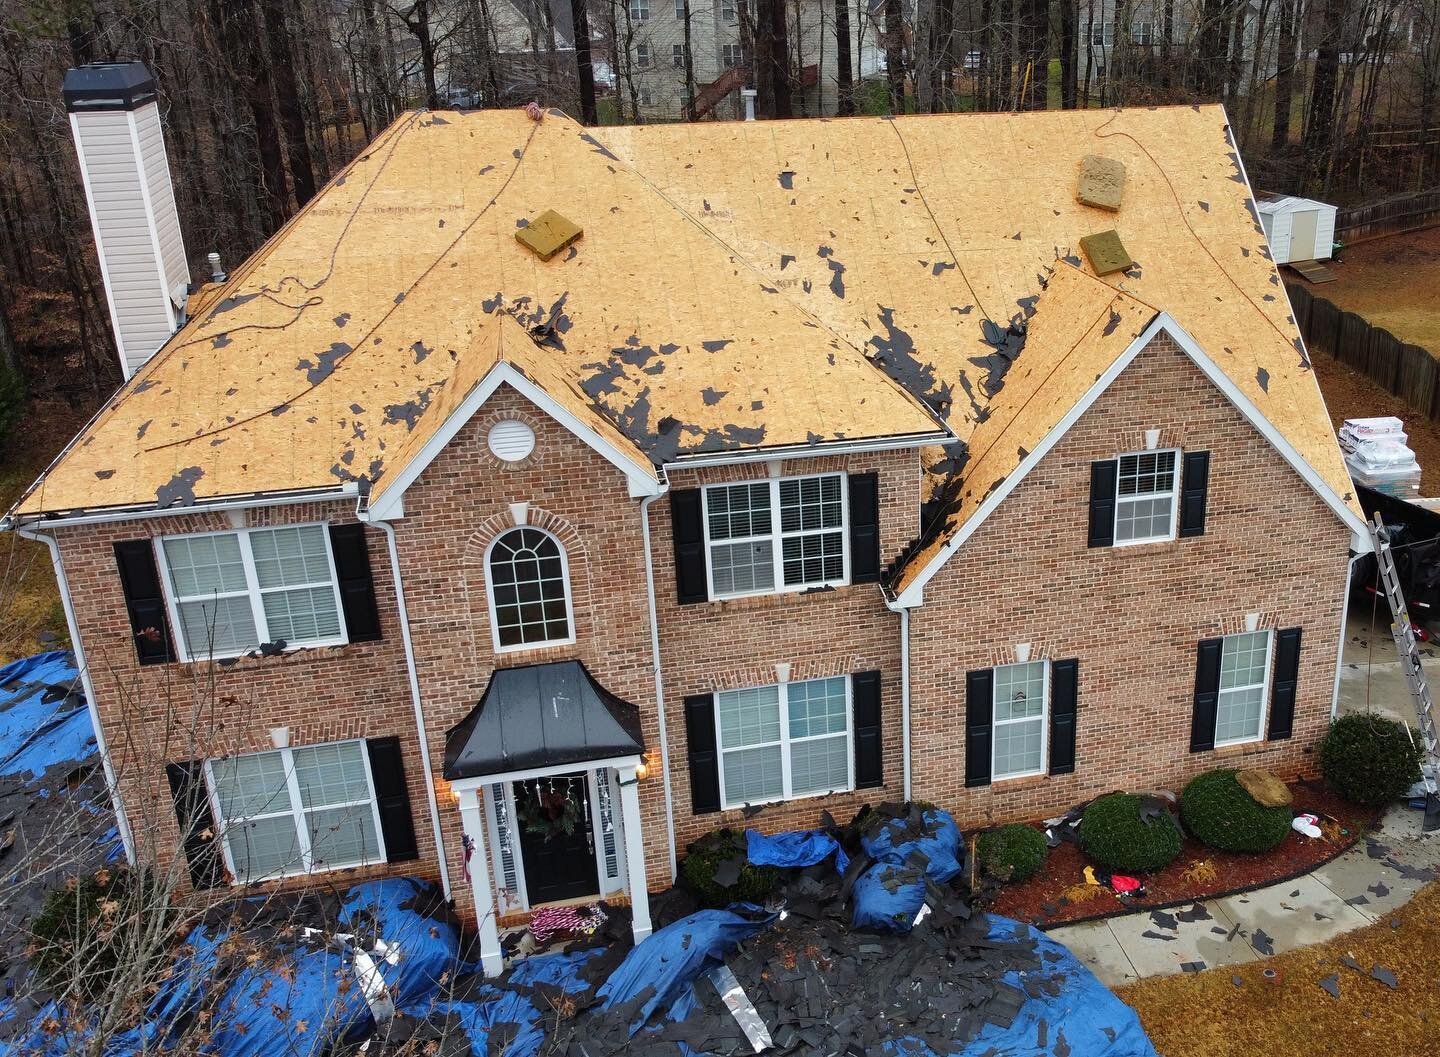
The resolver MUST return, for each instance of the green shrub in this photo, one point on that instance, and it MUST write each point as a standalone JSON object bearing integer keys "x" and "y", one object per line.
{"x": 87, "y": 930}
{"x": 1369, "y": 760}
{"x": 704, "y": 857}
{"x": 1216, "y": 808}
{"x": 1112, "y": 834}
{"x": 1012, "y": 853}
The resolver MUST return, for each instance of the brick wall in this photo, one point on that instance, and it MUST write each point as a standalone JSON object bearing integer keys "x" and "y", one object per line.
{"x": 1131, "y": 615}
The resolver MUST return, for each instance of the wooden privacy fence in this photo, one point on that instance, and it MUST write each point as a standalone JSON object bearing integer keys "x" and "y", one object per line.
{"x": 1408, "y": 371}
{"x": 1389, "y": 216}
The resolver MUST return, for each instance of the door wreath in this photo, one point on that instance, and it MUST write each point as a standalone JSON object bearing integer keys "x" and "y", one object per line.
{"x": 550, "y": 811}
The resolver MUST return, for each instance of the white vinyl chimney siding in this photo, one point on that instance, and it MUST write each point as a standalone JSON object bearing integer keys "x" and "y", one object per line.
{"x": 137, "y": 228}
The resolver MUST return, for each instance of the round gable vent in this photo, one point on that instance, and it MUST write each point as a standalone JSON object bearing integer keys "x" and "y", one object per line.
{"x": 511, "y": 440}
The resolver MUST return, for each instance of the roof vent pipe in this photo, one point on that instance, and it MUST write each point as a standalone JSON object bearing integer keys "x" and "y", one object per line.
{"x": 115, "y": 120}
{"x": 217, "y": 273}
{"x": 749, "y": 94}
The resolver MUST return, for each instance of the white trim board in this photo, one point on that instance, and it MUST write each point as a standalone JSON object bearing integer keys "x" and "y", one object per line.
{"x": 914, "y": 592}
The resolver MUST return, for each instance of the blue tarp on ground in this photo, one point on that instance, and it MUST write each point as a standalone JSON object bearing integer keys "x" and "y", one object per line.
{"x": 428, "y": 947}
{"x": 940, "y": 844}
{"x": 43, "y": 717}
{"x": 890, "y": 893}
{"x": 801, "y": 848}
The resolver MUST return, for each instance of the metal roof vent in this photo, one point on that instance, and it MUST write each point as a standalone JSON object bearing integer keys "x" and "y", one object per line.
{"x": 1106, "y": 252}
{"x": 548, "y": 234}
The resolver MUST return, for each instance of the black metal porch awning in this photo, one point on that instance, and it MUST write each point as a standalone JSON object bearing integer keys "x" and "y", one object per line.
{"x": 542, "y": 715}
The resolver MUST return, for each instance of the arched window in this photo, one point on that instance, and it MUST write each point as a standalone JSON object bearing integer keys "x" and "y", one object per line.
{"x": 529, "y": 589}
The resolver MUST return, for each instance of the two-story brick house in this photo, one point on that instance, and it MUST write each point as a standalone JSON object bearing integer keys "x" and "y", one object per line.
{"x": 818, "y": 468}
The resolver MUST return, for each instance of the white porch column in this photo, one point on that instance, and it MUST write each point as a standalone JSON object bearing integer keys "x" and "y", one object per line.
{"x": 634, "y": 851}
{"x": 472, "y": 821}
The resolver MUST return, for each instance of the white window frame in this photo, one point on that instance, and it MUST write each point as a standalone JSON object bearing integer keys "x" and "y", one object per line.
{"x": 680, "y": 11}
{"x": 1174, "y": 499}
{"x": 1044, "y": 717}
{"x": 777, "y": 537}
{"x": 297, "y": 813}
{"x": 639, "y": 10}
{"x": 643, "y": 58}
{"x": 1264, "y": 684}
{"x": 786, "y": 741}
{"x": 731, "y": 56}
{"x": 727, "y": 11}
{"x": 490, "y": 596}
{"x": 253, "y": 591}
{"x": 677, "y": 56}
{"x": 1142, "y": 31}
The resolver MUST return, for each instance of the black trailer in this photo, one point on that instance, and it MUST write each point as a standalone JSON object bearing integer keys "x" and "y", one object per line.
{"x": 1415, "y": 539}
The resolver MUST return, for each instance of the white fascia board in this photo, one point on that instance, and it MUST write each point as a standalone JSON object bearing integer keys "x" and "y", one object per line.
{"x": 914, "y": 593}
{"x": 810, "y": 451}
{"x": 388, "y": 506}
{"x": 349, "y": 490}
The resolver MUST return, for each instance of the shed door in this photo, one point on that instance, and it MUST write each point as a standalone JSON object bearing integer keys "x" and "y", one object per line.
{"x": 1302, "y": 234}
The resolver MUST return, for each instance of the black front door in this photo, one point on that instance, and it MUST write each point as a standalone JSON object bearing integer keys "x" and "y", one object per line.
{"x": 558, "y": 865}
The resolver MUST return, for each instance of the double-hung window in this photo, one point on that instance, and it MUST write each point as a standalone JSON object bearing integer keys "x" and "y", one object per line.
{"x": 727, "y": 11}
{"x": 680, "y": 10}
{"x": 1147, "y": 488}
{"x": 295, "y": 811}
{"x": 677, "y": 55}
{"x": 1142, "y": 32}
{"x": 642, "y": 56}
{"x": 731, "y": 56}
{"x": 784, "y": 741}
{"x": 640, "y": 10}
{"x": 1244, "y": 676}
{"x": 232, "y": 591}
{"x": 1021, "y": 697}
{"x": 776, "y": 535}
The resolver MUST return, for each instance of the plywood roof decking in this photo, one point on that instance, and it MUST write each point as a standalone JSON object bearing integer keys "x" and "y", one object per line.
{"x": 344, "y": 342}
{"x": 1080, "y": 327}
{"x": 908, "y": 232}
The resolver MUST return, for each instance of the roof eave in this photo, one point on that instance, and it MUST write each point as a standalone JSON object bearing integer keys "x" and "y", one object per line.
{"x": 18, "y": 521}
{"x": 799, "y": 451}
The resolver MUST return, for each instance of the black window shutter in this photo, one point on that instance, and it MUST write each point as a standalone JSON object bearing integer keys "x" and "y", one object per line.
{"x": 1064, "y": 687}
{"x": 1207, "y": 694}
{"x": 1103, "y": 475}
{"x": 357, "y": 586}
{"x": 979, "y": 716}
{"x": 864, "y": 528}
{"x": 688, "y": 529}
{"x": 140, "y": 580}
{"x": 704, "y": 766}
{"x": 199, "y": 836}
{"x": 1282, "y": 690}
{"x": 392, "y": 798}
{"x": 865, "y": 693}
{"x": 1194, "y": 487}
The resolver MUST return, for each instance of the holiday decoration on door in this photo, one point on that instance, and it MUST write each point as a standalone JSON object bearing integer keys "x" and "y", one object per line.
{"x": 550, "y": 809}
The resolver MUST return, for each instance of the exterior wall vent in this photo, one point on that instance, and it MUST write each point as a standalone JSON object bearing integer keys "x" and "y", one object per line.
{"x": 115, "y": 120}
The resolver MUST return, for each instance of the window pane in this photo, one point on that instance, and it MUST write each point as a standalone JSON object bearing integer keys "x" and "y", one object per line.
{"x": 817, "y": 707}
{"x": 218, "y": 625}
{"x": 1018, "y": 748}
{"x": 1019, "y": 691}
{"x": 527, "y": 578}
{"x": 1137, "y": 519}
{"x": 264, "y": 847}
{"x": 205, "y": 565}
{"x": 302, "y": 615}
{"x": 1237, "y": 718}
{"x": 808, "y": 503}
{"x": 342, "y": 836}
{"x": 1242, "y": 660}
{"x": 814, "y": 559}
{"x": 736, "y": 511}
{"x": 753, "y": 774}
{"x": 739, "y": 567}
{"x": 251, "y": 785}
{"x": 748, "y": 717}
{"x": 331, "y": 774}
{"x": 1147, "y": 473}
{"x": 288, "y": 556}
{"x": 819, "y": 766}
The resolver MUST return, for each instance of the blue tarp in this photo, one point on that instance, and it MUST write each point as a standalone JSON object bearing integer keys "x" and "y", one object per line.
{"x": 887, "y": 897}
{"x": 428, "y": 946}
{"x": 890, "y": 893}
{"x": 43, "y": 717}
{"x": 801, "y": 848}
{"x": 494, "y": 1008}
{"x": 940, "y": 844}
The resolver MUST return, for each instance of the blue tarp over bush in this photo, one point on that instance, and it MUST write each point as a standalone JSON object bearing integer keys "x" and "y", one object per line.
{"x": 801, "y": 848}
{"x": 890, "y": 893}
{"x": 43, "y": 717}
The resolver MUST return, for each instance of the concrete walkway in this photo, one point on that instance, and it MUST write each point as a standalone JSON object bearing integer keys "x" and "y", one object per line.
{"x": 1358, "y": 888}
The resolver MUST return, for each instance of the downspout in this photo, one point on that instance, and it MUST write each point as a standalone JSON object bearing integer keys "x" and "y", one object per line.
{"x": 389, "y": 531}
{"x": 905, "y": 695}
{"x": 122, "y": 822}
{"x": 659, "y": 677}
{"x": 1340, "y": 646}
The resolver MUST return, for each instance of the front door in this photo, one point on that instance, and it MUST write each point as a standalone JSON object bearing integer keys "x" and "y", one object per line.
{"x": 558, "y": 865}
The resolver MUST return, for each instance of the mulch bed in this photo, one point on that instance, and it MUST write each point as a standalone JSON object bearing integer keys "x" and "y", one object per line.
{"x": 1041, "y": 900}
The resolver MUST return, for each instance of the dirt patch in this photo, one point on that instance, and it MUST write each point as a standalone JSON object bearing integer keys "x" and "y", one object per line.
{"x": 1210, "y": 1014}
{"x": 1042, "y": 900}
{"x": 1350, "y": 394}
{"x": 1392, "y": 283}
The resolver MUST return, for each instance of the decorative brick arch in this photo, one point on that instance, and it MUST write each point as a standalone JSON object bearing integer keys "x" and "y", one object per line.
{"x": 476, "y": 576}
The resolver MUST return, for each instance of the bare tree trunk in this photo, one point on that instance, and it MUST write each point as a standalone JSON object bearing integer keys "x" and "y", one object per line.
{"x": 844, "y": 64}
{"x": 780, "y": 59}
{"x": 1067, "y": 54}
{"x": 239, "y": 29}
{"x": 287, "y": 96}
{"x": 1319, "y": 121}
{"x": 9, "y": 359}
{"x": 1033, "y": 33}
{"x": 1285, "y": 29}
{"x": 416, "y": 18}
{"x": 584, "y": 71}
{"x": 895, "y": 54}
{"x": 689, "y": 60}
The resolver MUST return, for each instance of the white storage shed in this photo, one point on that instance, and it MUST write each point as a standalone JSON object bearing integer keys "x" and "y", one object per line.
{"x": 1298, "y": 229}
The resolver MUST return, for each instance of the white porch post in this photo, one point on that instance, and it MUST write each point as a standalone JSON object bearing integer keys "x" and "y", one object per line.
{"x": 472, "y": 821}
{"x": 634, "y": 852}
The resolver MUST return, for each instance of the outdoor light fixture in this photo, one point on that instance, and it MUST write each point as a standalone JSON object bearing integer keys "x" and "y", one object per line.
{"x": 642, "y": 769}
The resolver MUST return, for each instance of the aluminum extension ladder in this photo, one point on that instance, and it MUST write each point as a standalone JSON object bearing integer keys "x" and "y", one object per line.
{"x": 1409, "y": 653}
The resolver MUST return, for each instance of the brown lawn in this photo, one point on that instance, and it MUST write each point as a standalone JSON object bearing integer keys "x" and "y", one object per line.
{"x": 1392, "y": 282}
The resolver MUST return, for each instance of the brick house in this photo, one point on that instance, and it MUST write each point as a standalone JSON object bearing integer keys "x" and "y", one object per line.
{"x": 820, "y": 468}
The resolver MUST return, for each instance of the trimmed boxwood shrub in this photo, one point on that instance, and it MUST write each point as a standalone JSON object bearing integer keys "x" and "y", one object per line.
{"x": 704, "y": 857}
{"x": 1012, "y": 853}
{"x": 1216, "y": 808}
{"x": 1112, "y": 834}
{"x": 1369, "y": 760}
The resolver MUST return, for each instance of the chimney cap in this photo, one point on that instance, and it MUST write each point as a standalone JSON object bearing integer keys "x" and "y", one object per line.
{"x": 108, "y": 86}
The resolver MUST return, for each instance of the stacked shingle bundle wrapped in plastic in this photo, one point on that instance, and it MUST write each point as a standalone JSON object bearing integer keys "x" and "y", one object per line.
{"x": 1378, "y": 456}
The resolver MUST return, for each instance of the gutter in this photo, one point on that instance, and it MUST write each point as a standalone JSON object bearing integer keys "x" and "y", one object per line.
{"x": 415, "y": 701}
{"x": 349, "y": 490}
{"x": 122, "y": 821}
{"x": 807, "y": 451}
{"x": 659, "y": 677}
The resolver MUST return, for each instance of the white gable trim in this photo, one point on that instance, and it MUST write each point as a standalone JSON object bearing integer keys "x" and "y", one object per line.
{"x": 914, "y": 592}
{"x": 389, "y": 504}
